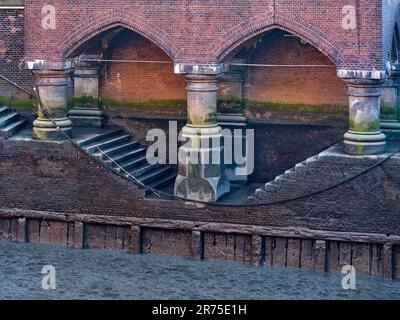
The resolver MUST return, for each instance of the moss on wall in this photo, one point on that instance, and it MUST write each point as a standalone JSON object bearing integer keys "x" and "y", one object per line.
{"x": 18, "y": 103}
{"x": 144, "y": 104}
{"x": 286, "y": 107}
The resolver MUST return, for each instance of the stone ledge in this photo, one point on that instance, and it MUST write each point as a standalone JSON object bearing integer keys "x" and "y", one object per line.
{"x": 361, "y": 74}
{"x": 336, "y": 154}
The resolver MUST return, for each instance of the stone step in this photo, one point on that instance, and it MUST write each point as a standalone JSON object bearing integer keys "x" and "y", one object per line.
{"x": 13, "y": 128}
{"x": 117, "y": 150}
{"x": 155, "y": 175}
{"x": 107, "y": 143}
{"x": 143, "y": 170}
{"x": 300, "y": 169}
{"x": 87, "y": 141}
{"x": 134, "y": 163}
{"x": 4, "y": 111}
{"x": 125, "y": 157}
{"x": 282, "y": 181}
{"x": 312, "y": 160}
{"x": 8, "y": 119}
{"x": 271, "y": 187}
{"x": 261, "y": 194}
{"x": 164, "y": 181}
{"x": 290, "y": 174}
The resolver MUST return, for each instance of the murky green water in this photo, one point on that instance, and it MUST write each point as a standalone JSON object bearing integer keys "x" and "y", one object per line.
{"x": 104, "y": 274}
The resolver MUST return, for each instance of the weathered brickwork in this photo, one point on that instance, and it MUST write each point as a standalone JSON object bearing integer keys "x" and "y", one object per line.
{"x": 12, "y": 53}
{"x": 209, "y": 31}
{"x": 39, "y": 177}
{"x": 147, "y": 81}
{"x": 204, "y": 32}
{"x": 292, "y": 85}
{"x": 140, "y": 81}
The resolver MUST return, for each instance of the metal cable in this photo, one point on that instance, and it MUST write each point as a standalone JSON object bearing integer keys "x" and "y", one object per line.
{"x": 230, "y": 64}
{"x": 160, "y": 193}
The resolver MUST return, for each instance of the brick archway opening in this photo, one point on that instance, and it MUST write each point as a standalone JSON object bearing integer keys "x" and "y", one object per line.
{"x": 138, "y": 87}
{"x": 288, "y": 88}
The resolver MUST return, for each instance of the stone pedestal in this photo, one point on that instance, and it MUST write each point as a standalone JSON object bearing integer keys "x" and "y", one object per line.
{"x": 52, "y": 81}
{"x": 236, "y": 124}
{"x": 201, "y": 173}
{"x": 390, "y": 106}
{"x": 365, "y": 136}
{"x": 86, "y": 111}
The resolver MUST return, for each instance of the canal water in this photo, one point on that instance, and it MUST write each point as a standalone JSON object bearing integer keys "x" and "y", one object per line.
{"x": 105, "y": 274}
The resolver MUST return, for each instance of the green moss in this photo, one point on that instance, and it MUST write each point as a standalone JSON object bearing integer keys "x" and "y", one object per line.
{"x": 388, "y": 110}
{"x": 360, "y": 149}
{"x": 287, "y": 107}
{"x": 230, "y": 105}
{"x": 365, "y": 126}
{"x": 82, "y": 101}
{"x": 145, "y": 104}
{"x": 18, "y": 103}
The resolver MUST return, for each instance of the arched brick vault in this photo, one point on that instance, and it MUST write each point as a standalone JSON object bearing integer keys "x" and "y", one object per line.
{"x": 111, "y": 19}
{"x": 239, "y": 34}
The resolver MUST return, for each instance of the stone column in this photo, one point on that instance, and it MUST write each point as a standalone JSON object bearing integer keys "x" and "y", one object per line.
{"x": 52, "y": 81}
{"x": 365, "y": 136}
{"x": 86, "y": 111}
{"x": 201, "y": 170}
{"x": 390, "y": 109}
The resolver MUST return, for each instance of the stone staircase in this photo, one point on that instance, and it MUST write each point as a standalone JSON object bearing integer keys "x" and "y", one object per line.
{"x": 318, "y": 172}
{"x": 119, "y": 151}
{"x": 10, "y": 122}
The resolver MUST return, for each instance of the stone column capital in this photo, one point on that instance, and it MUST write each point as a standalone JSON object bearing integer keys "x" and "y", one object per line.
{"x": 369, "y": 76}
{"x": 87, "y": 71}
{"x": 38, "y": 65}
{"x": 211, "y": 69}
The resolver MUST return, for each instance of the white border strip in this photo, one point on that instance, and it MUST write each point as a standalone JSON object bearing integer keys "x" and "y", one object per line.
{"x": 12, "y": 8}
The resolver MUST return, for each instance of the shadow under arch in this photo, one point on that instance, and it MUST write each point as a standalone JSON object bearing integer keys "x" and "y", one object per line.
{"x": 108, "y": 20}
{"x": 395, "y": 47}
{"x": 241, "y": 33}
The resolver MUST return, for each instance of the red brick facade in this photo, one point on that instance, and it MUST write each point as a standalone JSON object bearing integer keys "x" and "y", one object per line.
{"x": 12, "y": 50}
{"x": 205, "y": 32}
{"x": 140, "y": 82}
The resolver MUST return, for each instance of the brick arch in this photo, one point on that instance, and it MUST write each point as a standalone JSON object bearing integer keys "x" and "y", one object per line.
{"x": 238, "y": 35}
{"x": 111, "y": 19}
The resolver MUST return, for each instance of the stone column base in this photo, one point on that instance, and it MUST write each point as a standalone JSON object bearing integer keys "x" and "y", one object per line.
{"x": 44, "y": 129}
{"x": 391, "y": 130}
{"x": 364, "y": 144}
{"x": 202, "y": 189}
{"x": 87, "y": 117}
{"x": 201, "y": 174}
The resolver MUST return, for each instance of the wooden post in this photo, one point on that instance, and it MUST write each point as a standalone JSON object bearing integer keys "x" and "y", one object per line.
{"x": 256, "y": 249}
{"x": 135, "y": 236}
{"x": 318, "y": 262}
{"x": 387, "y": 261}
{"x": 197, "y": 245}
{"x": 79, "y": 235}
{"x": 23, "y": 224}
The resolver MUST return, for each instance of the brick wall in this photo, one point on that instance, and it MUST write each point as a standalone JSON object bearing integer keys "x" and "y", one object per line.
{"x": 151, "y": 81}
{"x": 140, "y": 82}
{"x": 292, "y": 85}
{"x": 206, "y": 31}
{"x": 12, "y": 51}
{"x": 52, "y": 177}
